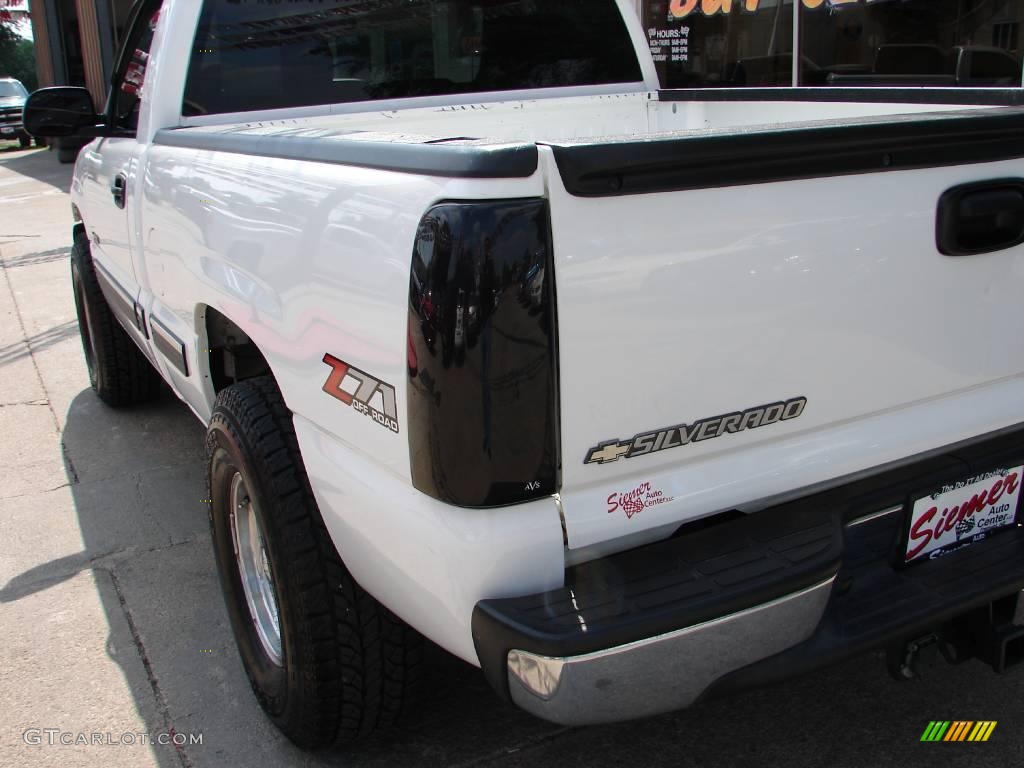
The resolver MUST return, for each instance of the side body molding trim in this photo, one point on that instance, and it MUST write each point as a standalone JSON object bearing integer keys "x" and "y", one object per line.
{"x": 122, "y": 303}
{"x": 169, "y": 345}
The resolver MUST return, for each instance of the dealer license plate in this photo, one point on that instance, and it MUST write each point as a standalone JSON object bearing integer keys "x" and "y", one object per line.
{"x": 6, "y": 130}
{"x": 963, "y": 513}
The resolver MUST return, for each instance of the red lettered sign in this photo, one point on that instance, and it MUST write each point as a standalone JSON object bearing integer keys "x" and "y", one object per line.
{"x": 963, "y": 513}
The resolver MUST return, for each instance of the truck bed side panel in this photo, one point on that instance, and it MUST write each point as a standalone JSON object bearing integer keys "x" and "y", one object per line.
{"x": 310, "y": 260}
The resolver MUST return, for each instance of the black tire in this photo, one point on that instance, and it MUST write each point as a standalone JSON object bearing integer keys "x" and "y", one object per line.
{"x": 118, "y": 371}
{"x": 66, "y": 155}
{"x": 348, "y": 666}
{"x": 25, "y": 142}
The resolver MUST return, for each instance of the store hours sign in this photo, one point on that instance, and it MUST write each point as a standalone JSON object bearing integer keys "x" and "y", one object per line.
{"x": 669, "y": 44}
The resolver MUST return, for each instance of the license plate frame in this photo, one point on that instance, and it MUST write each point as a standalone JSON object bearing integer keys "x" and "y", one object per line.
{"x": 957, "y": 514}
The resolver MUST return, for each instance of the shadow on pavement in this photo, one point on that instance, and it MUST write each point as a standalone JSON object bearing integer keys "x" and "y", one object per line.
{"x": 35, "y": 258}
{"x": 40, "y": 164}
{"x": 44, "y": 576}
{"x": 39, "y": 341}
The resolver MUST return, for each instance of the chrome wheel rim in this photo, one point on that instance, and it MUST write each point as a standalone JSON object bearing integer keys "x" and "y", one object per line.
{"x": 253, "y": 563}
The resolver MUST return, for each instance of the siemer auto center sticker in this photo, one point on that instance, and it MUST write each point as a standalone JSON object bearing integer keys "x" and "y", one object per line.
{"x": 636, "y": 500}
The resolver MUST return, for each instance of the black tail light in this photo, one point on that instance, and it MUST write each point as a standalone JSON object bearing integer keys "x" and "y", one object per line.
{"x": 483, "y": 363}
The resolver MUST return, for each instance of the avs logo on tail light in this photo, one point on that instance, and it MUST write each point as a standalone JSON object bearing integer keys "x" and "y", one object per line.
{"x": 704, "y": 429}
{"x": 363, "y": 396}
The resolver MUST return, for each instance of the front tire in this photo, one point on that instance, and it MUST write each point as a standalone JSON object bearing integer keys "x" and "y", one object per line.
{"x": 327, "y": 662}
{"x": 118, "y": 371}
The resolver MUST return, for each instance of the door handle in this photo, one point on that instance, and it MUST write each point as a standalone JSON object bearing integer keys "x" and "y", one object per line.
{"x": 119, "y": 189}
{"x": 981, "y": 217}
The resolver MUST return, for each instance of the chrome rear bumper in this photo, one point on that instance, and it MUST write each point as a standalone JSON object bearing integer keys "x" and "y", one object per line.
{"x": 662, "y": 673}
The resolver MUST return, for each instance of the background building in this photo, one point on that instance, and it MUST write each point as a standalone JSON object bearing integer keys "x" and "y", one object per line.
{"x": 76, "y": 41}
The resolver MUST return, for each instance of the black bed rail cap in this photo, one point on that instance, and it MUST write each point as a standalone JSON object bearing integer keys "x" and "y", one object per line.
{"x": 467, "y": 160}
{"x": 689, "y": 160}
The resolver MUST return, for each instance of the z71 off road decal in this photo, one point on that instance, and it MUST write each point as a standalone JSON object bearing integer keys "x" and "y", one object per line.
{"x": 705, "y": 429}
{"x": 363, "y": 393}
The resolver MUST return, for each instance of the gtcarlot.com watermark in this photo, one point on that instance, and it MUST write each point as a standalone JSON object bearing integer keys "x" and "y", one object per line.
{"x": 57, "y": 737}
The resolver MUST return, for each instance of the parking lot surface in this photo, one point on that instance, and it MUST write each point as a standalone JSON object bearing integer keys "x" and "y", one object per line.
{"x": 113, "y": 624}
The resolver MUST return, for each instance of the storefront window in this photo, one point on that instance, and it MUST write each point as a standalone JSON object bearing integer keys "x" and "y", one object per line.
{"x": 951, "y": 43}
{"x": 717, "y": 43}
{"x": 737, "y": 43}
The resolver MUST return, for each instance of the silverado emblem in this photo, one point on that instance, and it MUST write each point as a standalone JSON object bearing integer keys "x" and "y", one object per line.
{"x": 704, "y": 429}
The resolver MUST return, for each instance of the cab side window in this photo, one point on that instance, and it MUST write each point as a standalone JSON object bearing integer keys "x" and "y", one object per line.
{"x": 131, "y": 80}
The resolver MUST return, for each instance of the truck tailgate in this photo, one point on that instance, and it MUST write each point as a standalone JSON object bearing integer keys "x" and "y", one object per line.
{"x": 744, "y": 316}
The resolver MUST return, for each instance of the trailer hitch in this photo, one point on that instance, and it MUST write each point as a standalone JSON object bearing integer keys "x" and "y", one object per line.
{"x": 902, "y": 660}
{"x": 988, "y": 634}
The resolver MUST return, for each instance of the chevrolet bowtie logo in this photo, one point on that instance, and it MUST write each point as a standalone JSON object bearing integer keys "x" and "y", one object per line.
{"x": 607, "y": 453}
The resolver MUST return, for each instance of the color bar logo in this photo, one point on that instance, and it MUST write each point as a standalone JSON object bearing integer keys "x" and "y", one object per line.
{"x": 366, "y": 391}
{"x": 958, "y": 730}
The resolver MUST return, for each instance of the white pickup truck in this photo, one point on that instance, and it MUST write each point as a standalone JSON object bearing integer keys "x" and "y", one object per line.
{"x": 628, "y": 396}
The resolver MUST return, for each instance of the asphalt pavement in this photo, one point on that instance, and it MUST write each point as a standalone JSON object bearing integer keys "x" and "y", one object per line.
{"x": 113, "y": 632}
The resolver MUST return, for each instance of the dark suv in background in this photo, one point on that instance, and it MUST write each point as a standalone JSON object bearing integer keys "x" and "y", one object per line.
{"x": 12, "y": 100}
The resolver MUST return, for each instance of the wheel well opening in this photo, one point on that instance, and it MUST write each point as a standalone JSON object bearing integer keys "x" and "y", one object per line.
{"x": 233, "y": 355}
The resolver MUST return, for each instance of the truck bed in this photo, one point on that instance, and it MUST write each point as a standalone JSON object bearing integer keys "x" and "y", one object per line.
{"x": 636, "y": 115}
{"x": 716, "y": 262}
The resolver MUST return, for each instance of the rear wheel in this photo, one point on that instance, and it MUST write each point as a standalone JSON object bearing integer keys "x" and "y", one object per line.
{"x": 118, "y": 371}
{"x": 25, "y": 142}
{"x": 327, "y": 662}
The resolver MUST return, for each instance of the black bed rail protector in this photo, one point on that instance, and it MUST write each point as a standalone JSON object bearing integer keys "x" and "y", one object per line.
{"x": 467, "y": 161}
{"x": 785, "y": 153}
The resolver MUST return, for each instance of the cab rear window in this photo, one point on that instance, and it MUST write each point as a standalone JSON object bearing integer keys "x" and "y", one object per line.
{"x": 256, "y": 56}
